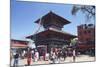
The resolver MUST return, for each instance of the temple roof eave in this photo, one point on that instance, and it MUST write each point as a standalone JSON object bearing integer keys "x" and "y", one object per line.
{"x": 50, "y": 31}
{"x": 53, "y": 15}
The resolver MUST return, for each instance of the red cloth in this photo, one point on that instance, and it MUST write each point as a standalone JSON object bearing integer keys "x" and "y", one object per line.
{"x": 29, "y": 56}
{"x": 29, "y": 61}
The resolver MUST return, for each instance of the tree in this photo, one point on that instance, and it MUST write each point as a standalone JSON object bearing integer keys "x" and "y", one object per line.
{"x": 89, "y": 11}
{"x": 73, "y": 42}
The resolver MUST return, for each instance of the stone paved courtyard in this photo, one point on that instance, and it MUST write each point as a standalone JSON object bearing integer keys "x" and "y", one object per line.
{"x": 81, "y": 58}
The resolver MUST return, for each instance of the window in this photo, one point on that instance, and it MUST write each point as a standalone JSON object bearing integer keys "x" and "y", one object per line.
{"x": 89, "y": 31}
{"x": 85, "y": 32}
{"x": 79, "y": 33}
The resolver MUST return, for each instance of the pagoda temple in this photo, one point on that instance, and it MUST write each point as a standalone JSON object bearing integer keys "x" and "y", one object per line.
{"x": 52, "y": 36}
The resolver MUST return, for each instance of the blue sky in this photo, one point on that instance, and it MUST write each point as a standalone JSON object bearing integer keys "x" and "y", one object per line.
{"x": 23, "y": 15}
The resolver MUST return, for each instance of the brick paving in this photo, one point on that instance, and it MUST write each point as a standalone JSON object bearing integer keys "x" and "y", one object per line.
{"x": 81, "y": 58}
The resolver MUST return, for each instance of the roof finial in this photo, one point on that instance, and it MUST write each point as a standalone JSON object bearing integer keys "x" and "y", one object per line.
{"x": 50, "y": 11}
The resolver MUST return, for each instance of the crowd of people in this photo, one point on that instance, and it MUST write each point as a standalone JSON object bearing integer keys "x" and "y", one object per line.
{"x": 56, "y": 55}
{"x": 30, "y": 55}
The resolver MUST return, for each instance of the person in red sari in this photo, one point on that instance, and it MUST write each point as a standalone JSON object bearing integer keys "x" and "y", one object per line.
{"x": 29, "y": 57}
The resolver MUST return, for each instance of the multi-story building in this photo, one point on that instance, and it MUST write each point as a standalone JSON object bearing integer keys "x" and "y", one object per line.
{"x": 18, "y": 45}
{"x": 86, "y": 37}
